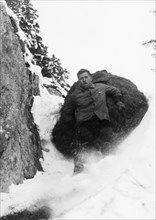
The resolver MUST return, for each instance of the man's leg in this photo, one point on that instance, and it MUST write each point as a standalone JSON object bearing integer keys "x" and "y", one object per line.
{"x": 103, "y": 140}
{"x": 88, "y": 130}
{"x": 106, "y": 131}
{"x": 86, "y": 133}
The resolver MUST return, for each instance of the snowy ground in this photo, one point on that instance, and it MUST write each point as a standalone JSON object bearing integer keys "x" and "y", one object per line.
{"x": 119, "y": 186}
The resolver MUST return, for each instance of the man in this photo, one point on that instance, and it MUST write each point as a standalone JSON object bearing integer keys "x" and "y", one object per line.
{"x": 87, "y": 105}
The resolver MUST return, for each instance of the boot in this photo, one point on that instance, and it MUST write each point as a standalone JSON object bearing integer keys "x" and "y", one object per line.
{"x": 78, "y": 168}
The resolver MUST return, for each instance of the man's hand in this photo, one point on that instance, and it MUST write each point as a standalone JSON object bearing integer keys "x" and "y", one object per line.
{"x": 121, "y": 106}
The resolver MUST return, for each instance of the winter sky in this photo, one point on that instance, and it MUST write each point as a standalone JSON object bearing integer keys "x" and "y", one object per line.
{"x": 101, "y": 35}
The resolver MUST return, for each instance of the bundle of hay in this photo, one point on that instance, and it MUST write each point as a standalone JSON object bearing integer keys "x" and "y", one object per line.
{"x": 123, "y": 122}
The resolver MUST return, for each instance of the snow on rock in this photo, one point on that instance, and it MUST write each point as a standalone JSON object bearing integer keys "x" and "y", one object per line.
{"x": 22, "y": 36}
{"x": 20, "y": 33}
{"x": 28, "y": 56}
{"x": 46, "y": 109}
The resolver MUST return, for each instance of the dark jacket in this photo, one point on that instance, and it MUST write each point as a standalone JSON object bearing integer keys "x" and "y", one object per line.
{"x": 84, "y": 103}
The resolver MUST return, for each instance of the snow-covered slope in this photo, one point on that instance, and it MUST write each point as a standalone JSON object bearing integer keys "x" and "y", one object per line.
{"x": 119, "y": 186}
{"x": 122, "y": 185}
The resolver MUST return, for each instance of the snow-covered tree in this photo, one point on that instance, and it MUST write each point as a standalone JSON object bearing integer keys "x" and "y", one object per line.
{"x": 50, "y": 66}
{"x": 151, "y": 43}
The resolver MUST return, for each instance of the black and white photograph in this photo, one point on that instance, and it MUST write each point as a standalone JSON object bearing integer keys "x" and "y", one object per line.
{"x": 77, "y": 109}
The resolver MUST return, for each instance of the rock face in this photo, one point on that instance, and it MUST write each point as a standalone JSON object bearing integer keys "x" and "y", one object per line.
{"x": 20, "y": 147}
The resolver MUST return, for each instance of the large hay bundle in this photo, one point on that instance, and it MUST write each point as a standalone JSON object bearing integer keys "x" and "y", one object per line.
{"x": 136, "y": 106}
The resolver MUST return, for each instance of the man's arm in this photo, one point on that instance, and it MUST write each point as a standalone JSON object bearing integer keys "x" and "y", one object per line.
{"x": 116, "y": 94}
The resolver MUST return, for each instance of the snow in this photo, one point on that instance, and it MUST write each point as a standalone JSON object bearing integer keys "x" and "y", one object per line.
{"x": 20, "y": 33}
{"x": 119, "y": 186}
{"x": 47, "y": 107}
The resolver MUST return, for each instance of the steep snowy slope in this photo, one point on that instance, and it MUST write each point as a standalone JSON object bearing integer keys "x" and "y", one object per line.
{"x": 119, "y": 186}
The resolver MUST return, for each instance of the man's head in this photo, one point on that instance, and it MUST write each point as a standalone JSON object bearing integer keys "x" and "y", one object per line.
{"x": 85, "y": 78}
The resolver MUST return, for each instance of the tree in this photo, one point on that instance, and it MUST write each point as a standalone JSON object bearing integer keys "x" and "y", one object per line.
{"x": 151, "y": 42}
{"x": 50, "y": 66}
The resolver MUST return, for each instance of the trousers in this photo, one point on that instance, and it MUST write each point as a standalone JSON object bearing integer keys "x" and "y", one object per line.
{"x": 94, "y": 128}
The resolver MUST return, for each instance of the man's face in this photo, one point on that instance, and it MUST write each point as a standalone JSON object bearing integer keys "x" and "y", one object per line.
{"x": 85, "y": 79}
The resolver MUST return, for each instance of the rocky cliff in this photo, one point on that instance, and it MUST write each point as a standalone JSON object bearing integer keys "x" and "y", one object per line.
{"x": 20, "y": 148}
